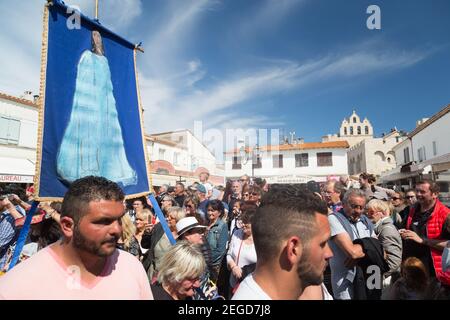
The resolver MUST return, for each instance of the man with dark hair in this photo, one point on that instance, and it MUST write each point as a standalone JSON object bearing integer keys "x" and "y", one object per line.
{"x": 427, "y": 231}
{"x": 290, "y": 231}
{"x": 180, "y": 195}
{"x": 333, "y": 194}
{"x": 347, "y": 225}
{"x": 85, "y": 263}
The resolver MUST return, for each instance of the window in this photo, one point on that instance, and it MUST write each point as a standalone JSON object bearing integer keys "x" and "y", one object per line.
{"x": 236, "y": 163}
{"x": 359, "y": 130}
{"x": 176, "y": 158}
{"x": 162, "y": 153}
{"x": 406, "y": 154}
{"x": 324, "y": 159}
{"x": 257, "y": 164}
{"x": 277, "y": 161}
{"x": 366, "y": 129}
{"x": 9, "y": 130}
{"x": 434, "y": 148}
{"x": 301, "y": 160}
{"x": 354, "y": 119}
{"x": 421, "y": 154}
{"x": 345, "y": 131}
{"x": 351, "y": 131}
{"x": 358, "y": 166}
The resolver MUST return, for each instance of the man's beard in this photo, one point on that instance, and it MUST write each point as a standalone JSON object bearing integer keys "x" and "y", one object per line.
{"x": 308, "y": 274}
{"x": 82, "y": 243}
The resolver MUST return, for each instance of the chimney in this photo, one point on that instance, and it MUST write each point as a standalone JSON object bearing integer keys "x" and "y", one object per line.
{"x": 28, "y": 95}
{"x": 421, "y": 121}
{"x": 301, "y": 140}
{"x": 292, "y": 134}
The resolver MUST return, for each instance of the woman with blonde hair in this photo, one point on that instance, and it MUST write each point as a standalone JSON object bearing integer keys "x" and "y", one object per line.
{"x": 127, "y": 241}
{"x": 157, "y": 242}
{"x": 180, "y": 272}
{"x": 378, "y": 211}
{"x": 143, "y": 222}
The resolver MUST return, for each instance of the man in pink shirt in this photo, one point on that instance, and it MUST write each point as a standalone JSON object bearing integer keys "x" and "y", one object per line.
{"x": 85, "y": 263}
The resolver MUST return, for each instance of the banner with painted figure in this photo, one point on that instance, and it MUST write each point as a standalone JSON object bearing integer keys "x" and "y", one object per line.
{"x": 90, "y": 119}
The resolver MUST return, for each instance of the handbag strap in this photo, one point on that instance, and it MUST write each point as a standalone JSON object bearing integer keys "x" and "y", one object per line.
{"x": 239, "y": 252}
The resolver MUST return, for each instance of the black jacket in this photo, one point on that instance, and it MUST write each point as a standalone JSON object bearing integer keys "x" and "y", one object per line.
{"x": 368, "y": 281}
{"x": 149, "y": 241}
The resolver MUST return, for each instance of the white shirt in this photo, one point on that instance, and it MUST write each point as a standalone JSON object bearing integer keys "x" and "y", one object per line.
{"x": 250, "y": 290}
{"x": 246, "y": 252}
{"x": 325, "y": 293}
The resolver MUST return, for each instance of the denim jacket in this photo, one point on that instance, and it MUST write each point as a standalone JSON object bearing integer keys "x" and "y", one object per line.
{"x": 217, "y": 238}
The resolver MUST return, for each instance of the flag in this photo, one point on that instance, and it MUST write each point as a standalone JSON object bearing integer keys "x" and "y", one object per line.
{"x": 90, "y": 120}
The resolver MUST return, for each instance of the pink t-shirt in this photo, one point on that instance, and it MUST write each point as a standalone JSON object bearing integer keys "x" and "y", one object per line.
{"x": 45, "y": 276}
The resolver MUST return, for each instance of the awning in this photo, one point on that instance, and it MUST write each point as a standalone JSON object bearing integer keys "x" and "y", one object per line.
{"x": 439, "y": 163}
{"x": 406, "y": 167}
{"x": 160, "y": 179}
{"x": 293, "y": 178}
{"x": 439, "y": 167}
{"x": 16, "y": 170}
{"x": 399, "y": 176}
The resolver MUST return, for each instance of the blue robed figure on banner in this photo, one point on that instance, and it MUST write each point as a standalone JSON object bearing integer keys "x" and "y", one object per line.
{"x": 92, "y": 143}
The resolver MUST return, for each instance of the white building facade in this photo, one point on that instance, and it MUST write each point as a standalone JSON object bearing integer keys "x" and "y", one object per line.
{"x": 180, "y": 156}
{"x": 353, "y": 130}
{"x": 374, "y": 155}
{"x": 289, "y": 163}
{"x": 18, "y": 138}
{"x": 425, "y": 154}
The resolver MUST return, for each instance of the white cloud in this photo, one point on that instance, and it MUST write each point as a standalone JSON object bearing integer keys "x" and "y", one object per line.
{"x": 270, "y": 13}
{"x": 218, "y": 105}
{"x": 21, "y": 46}
{"x": 171, "y": 91}
{"x": 22, "y": 36}
{"x": 116, "y": 15}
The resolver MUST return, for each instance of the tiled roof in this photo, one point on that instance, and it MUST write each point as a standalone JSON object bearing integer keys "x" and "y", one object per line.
{"x": 164, "y": 141}
{"x": 299, "y": 146}
{"x": 18, "y": 100}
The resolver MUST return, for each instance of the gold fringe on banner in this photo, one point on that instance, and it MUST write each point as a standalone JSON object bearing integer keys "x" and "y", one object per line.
{"x": 41, "y": 105}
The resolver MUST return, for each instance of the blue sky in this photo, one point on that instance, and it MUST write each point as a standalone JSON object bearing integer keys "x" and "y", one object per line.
{"x": 297, "y": 65}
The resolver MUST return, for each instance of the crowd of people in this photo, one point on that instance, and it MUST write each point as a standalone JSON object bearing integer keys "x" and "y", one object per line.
{"x": 341, "y": 240}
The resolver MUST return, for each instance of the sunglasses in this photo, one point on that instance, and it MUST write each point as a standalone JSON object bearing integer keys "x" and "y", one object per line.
{"x": 410, "y": 197}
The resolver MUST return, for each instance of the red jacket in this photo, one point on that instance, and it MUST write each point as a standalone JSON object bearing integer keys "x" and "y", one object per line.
{"x": 434, "y": 229}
